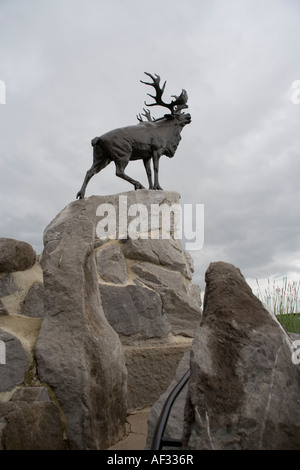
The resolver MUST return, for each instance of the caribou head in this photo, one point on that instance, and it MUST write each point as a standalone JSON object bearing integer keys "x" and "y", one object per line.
{"x": 175, "y": 106}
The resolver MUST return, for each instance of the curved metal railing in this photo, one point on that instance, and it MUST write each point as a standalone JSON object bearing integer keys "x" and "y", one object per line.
{"x": 158, "y": 440}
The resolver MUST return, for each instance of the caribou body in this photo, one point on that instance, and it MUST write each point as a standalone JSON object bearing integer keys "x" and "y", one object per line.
{"x": 146, "y": 141}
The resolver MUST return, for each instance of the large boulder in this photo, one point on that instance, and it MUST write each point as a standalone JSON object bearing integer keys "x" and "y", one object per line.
{"x": 244, "y": 388}
{"x": 15, "y": 255}
{"x": 145, "y": 282}
{"x": 78, "y": 354}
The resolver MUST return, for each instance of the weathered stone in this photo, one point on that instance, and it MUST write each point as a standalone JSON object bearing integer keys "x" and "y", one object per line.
{"x": 8, "y": 285}
{"x": 175, "y": 422}
{"x": 15, "y": 255}
{"x": 167, "y": 253}
{"x": 78, "y": 353}
{"x": 3, "y": 309}
{"x": 244, "y": 388}
{"x": 16, "y": 362}
{"x": 181, "y": 304}
{"x": 33, "y": 304}
{"x": 30, "y": 426}
{"x": 134, "y": 309}
{"x": 151, "y": 368}
{"x": 31, "y": 394}
{"x": 190, "y": 261}
{"x": 111, "y": 264}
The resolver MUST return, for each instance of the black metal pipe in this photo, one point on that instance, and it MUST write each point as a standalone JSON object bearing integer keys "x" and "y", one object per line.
{"x": 158, "y": 440}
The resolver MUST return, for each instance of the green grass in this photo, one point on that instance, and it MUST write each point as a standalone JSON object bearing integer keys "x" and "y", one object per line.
{"x": 284, "y": 302}
{"x": 291, "y": 322}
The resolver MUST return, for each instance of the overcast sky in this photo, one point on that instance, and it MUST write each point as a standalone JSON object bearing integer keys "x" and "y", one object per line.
{"x": 72, "y": 70}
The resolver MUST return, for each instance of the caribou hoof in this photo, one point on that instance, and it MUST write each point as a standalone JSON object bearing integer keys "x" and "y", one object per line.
{"x": 138, "y": 186}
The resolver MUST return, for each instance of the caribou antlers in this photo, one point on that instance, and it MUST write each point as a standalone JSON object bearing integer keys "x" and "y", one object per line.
{"x": 175, "y": 106}
{"x": 147, "y": 115}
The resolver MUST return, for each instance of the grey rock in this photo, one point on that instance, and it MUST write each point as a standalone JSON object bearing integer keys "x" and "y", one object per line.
{"x": 182, "y": 305}
{"x": 134, "y": 309}
{"x": 16, "y": 362}
{"x": 111, "y": 264}
{"x": 30, "y": 426}
{"x": 167, "y": 253}
{"x": 78, "y": 353}
{"x": 15, "y": 255}
{"x": 244, "y": 388}
{"x": 31, "y": 394}
{"x": 3, "y": 309}
{"x": 8, "y": 285}
{"x": 190, "y": 261}
{"x": 151, "y": 368}
{"x": 33, "y": 304}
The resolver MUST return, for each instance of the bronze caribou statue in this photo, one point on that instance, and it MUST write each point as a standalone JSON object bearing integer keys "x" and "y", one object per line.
{"x": 146, "y": 141}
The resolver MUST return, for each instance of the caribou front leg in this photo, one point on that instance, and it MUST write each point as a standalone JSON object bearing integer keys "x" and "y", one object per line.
{"x": 120, "y": 167}
{"x": 156, "y": 158}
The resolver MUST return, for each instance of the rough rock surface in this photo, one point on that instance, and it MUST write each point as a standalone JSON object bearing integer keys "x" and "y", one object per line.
{"x": 111, "y": 264}
{"x": 33, "y": 304}
{"x": 151, "y": 369}
{"x": 3, "y": 309}
{"x": 167, "y": 253}
{"x": 15, "y": 255}
{"x": 7, "y": 285}
{"x": 134, "y": 310}
{"x": 181, "y": 303}
{"x": 16, "y": 362}
{"x": 244, "y": 388}
{"x": 33, "y": 425}
{"x": 78, "y": 353}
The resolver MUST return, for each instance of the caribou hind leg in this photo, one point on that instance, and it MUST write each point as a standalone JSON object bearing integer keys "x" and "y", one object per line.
{"x": 97, "y": 166}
